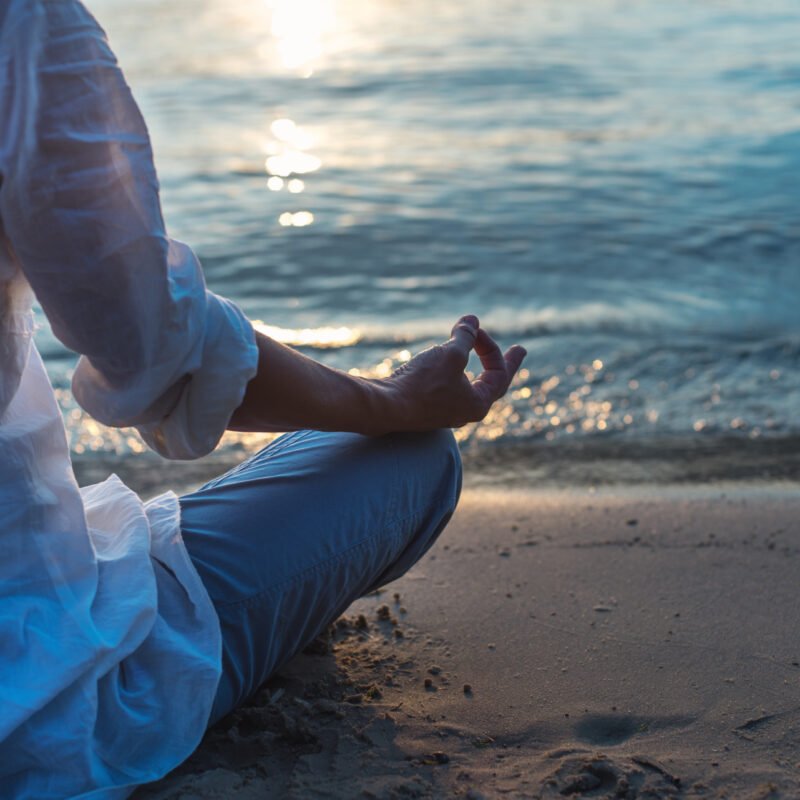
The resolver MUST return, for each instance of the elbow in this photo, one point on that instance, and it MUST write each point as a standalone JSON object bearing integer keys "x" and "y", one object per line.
{"x": 122, "y": 399}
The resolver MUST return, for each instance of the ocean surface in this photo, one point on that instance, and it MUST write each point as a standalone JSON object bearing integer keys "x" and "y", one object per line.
{"x": 613, "y": 184}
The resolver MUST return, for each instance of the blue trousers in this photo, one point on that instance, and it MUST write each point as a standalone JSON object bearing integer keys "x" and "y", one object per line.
{"x": 286, "y": 540}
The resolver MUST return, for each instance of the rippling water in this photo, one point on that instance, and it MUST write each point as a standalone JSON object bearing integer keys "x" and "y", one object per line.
{"x": 612, "y": 184}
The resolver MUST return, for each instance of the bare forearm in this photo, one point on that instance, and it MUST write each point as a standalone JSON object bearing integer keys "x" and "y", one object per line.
{"x": 291, "y": 391}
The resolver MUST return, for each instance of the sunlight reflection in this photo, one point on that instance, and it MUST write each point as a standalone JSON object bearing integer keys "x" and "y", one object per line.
{"x": 299, "y": 28}
{"x": 288, "y": 131}
{"x": 287, "y": 155}
{"x": 311, "y": 337}
{"x": 298, "y": 219}
{"x": 292, "y": 161}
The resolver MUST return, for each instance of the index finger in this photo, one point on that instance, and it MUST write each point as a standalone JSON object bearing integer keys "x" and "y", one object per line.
{"x": 493, "y": 383}
{"x": 489, "y": 351}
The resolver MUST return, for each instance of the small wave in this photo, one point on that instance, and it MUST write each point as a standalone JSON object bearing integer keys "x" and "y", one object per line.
{"x": 681, "y": 315}
{"x": 324, "y": 338}
{"x": 625, "y": 318}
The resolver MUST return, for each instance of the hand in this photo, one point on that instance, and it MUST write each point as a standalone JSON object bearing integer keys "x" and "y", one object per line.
{"x": 432, "y": 390}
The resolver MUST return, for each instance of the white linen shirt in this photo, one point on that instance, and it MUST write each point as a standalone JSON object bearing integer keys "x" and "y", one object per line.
{"x": 109, "y": 644}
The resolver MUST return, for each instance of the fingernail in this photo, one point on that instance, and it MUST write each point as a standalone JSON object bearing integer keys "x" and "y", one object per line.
{"x": 471, "y": 320}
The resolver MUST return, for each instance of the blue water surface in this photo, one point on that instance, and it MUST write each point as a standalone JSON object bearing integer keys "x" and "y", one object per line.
{"x": 614, "y": 184}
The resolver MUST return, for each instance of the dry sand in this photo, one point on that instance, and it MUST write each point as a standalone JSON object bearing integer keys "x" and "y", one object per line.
{"x": 638, "y": 643}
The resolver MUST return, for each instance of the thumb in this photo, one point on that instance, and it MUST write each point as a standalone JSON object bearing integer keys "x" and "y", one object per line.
{"x": 464, "y": 333}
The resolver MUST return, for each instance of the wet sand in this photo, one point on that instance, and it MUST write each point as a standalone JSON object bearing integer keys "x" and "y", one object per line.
{"x": 617, "y": 643}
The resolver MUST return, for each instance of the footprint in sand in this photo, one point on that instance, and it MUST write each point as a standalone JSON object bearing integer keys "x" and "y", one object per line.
{"x": 581, "y": 773}
{"x": 599, "y": 776}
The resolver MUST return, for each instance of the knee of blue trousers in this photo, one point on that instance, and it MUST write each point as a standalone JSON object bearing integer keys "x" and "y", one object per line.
{"x": 430, "y": 464}
{"x": 429, "y": 473}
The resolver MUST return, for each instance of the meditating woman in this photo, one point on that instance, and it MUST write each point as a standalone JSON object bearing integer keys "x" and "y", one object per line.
{"x": 127, "y": 627}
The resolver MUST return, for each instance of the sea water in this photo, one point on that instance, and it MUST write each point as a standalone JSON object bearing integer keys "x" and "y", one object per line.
{"x": 613, "y": 184}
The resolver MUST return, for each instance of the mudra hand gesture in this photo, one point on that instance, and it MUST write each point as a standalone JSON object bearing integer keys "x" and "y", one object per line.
{"x": 432, "y": 390}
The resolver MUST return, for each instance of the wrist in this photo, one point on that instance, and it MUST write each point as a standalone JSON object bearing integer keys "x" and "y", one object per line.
{"x": 385, "y": 411}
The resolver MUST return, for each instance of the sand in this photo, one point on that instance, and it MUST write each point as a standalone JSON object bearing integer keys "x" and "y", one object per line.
{"x": 617, "y": 643}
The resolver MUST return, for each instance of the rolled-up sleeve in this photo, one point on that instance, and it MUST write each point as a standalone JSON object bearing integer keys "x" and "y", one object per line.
{"x": 79, "y": 204}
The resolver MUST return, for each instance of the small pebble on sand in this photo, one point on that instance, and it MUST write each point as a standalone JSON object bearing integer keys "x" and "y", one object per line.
{"x": 398, "y": 634}
{"x": 383, "y": 612}
{"x": 467, "y": 688}
{"x": 361, "y": 622}
{"x": 437, "y": 757}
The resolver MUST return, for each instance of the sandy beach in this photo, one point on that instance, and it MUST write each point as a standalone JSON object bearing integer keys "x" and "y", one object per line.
{"x": 608, "y": 643}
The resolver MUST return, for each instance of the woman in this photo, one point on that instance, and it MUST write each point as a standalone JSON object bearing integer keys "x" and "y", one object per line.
{"x": 127, "y": 627}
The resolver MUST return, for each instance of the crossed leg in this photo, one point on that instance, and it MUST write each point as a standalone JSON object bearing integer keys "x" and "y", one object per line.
{"x": 288, "y": 539}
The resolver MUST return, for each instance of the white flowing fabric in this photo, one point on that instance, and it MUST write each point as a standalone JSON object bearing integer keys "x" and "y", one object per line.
{"x": 109, "y": 645}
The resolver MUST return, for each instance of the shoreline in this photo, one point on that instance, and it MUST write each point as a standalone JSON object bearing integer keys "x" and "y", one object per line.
{"x": 618, "y": 643}
{"x": 520, "y": 464}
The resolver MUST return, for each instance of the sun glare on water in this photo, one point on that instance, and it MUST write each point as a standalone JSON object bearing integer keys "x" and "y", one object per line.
{"x": 326, "y": 337}
{"x": 299, "y": 28}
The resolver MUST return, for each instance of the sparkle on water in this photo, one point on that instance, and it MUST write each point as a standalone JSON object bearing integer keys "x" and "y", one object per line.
{"x": 358, "y": 173}
{"x": 310, "y": 337}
